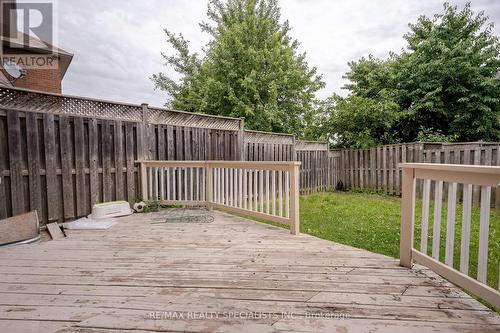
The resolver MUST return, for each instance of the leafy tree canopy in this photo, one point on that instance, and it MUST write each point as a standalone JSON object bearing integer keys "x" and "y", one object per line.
{"x": 444, "y": 86}
{"x": 251, "y": 68}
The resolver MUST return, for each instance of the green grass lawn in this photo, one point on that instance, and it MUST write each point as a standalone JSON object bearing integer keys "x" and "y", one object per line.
{"x": 372, "y": 222}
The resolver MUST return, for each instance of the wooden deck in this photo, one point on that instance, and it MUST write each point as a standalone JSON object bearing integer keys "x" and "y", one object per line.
{"x": 231, "y": 275}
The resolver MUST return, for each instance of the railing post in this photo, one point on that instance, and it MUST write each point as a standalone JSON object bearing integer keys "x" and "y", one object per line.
{"x": 209, "y": 185}
{"x": 294, "y": 200}
{"x": 407, "y": 216}
{"x": 144, "y": 184}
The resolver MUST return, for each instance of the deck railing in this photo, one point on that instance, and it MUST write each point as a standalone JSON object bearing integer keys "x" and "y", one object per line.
{"x": 457, "y": 181}
{"x": 267, "y": 190}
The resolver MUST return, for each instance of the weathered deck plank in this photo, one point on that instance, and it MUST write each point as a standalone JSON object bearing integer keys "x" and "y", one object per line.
{"x": 112, "y": 280}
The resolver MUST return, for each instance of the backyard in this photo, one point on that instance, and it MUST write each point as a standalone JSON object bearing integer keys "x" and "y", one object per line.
{"x": 372, "y": 221}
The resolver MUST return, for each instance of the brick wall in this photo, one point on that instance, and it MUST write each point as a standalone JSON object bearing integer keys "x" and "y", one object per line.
{"x": 47, "y": 80}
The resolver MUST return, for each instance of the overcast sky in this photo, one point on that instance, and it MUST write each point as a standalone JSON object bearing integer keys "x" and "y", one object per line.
{"x": 117, "y": 43}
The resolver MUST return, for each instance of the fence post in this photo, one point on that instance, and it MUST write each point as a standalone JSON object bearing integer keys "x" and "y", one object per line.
{"x": 407, "y": 216}
{"x": 142, "y": 134}
{"x": 294, "y": 199}
{"x": 209, "y": 185}
{"x": 241, "y": 149}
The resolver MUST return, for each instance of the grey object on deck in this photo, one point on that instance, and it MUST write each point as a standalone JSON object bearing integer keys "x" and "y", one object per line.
{"x": 22, "y": 228}
{"x": 181, "y": 215}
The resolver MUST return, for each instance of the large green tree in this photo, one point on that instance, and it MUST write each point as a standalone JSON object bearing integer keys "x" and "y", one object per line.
{"x": 444, "y": 86}
{"x": 251, "y": 68}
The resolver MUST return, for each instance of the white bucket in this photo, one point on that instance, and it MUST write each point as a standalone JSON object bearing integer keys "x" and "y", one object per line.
{"x": 110, "y": 209}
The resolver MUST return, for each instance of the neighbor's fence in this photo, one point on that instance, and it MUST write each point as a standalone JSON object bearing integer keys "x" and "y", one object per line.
{"x": 268, "y": 190}
{"x": 459, "y": 181}
{"x": 315, "y": 174}
{"x": 377, "y": 168}
{"x": 315, "y": 167}
{"x": 265, "y": 146}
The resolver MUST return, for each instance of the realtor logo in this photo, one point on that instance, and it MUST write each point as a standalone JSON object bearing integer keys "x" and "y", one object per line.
{"x": 27, "y": 34}
{"x": 28, "y": 23}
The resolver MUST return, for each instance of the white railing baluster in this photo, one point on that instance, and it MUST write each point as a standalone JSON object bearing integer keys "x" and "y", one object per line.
{"x": 185, "y": 176}
{"x": 197, "y": 177}
{"x": 268, "y": 208}
{"x": 191, "y": 185}
{"x": 219, "y": 185}
{"x": 450, "y": 224}
{"x": 280, "y": 193}
{"x": 287, "y": 194}
{"x": 223, "y": 186}
{"x": 174, "y": 183}
{"x": 273, "y": 191}
{"x": 215, "y": 183}
{"x": 424, "y": 235}
{"x": 261, "y": 188}
{"x": 162, "y": 183}
{"x": 250, "y": 191}
{"x": 168, "y": 184}
{"x": 484, "y": 228}
{"x": 179, "y": 183}
{"x": 235, "y": 187}
{"x": 230, "y": 193}
{"x": 226, "y": 186}
{"x": 204, "y": 178}
{"x": 241, "y": 191}
{"x": 256, "y": 190}
{"x": 466, "y": 229}
{"x": 245, "y": 189}
{"x": 436, "y": 228}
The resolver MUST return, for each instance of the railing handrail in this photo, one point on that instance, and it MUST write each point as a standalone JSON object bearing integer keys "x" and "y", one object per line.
{"x": 468, "y": 175}
{"x": 453, "y": 167}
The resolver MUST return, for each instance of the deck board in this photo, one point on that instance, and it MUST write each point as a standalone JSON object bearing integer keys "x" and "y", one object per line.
{"x": 112, "y": 280}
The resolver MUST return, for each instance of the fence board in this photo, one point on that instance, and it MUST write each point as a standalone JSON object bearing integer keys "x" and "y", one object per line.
{"x": 93, "y": 162}
{"x": 15, "y": 162}
{"x": 33, "y": 151}
{"x": 130, "y": 158}
{"x": 52, "y": 193}
{"x": 81, "y": 198}
{"x": 66, "y": 166}
{"x": 118, "y": 149}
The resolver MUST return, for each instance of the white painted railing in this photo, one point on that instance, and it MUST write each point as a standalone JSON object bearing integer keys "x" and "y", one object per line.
{"x": 457, "y": 181}
{"x": 268, "y": 190}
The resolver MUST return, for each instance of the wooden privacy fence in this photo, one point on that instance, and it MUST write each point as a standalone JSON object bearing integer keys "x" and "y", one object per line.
{"x": 265, "y": 146}
{"x": 459, "y": 181}
{"x": 268, "y": 190}
{"x": 59, "y": 155}
{"x": 315, "y": 173}
{"x": 377, "y": 168}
